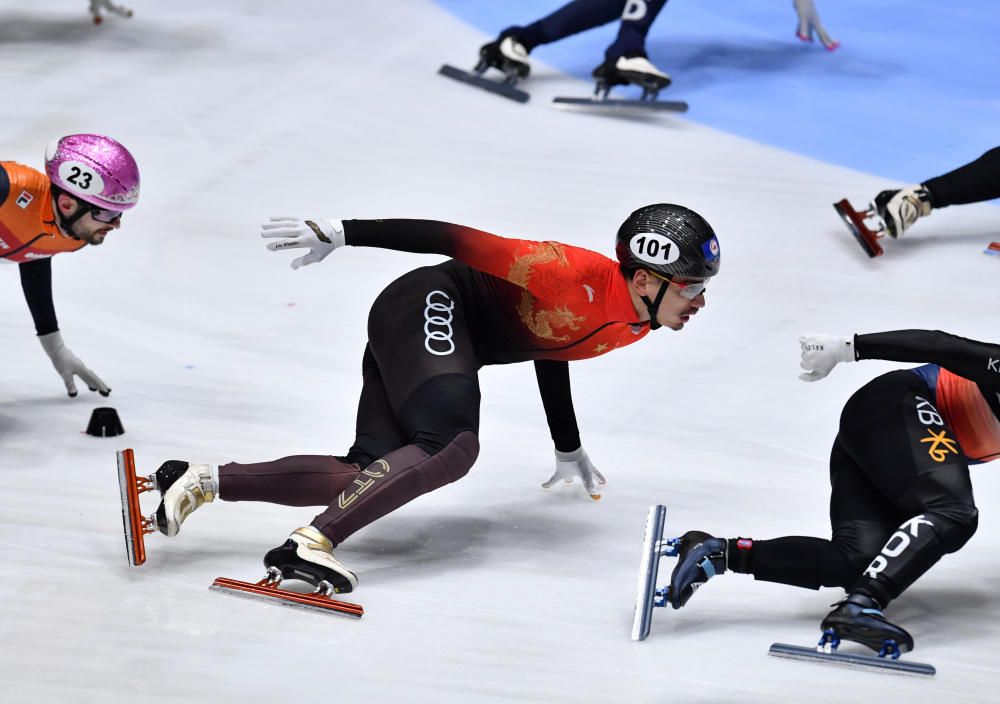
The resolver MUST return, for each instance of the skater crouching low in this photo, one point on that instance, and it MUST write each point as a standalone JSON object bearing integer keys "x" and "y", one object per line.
{"x": 496, "y": 301}
{"x": 901, "y": 495}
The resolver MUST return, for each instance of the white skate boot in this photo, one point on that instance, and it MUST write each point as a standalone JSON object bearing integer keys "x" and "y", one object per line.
{"x": 184, "y": 487}
{"x": 308, "y": 555}
{"x": 900, "y": 209}
{"x": 632, "y": 68}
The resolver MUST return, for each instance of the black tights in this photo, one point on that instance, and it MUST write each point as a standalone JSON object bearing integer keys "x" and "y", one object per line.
{"x": 899, "y": 499}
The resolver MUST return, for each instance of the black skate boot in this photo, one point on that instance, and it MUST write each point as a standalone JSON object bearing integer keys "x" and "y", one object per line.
{"x": 183, "y": 487}
{"x": 700, "y": 557}
{"x": 900, "y": 209}
{"x": 632, "y": 68}
{"x": 506, "y": 54}
{"x": 308, "y": 555}
{"x": 858, "y": 618}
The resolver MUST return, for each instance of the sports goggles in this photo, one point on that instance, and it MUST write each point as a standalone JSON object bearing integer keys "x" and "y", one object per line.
{"x": 688, "y": 289}
{"x": 103, "y": 215}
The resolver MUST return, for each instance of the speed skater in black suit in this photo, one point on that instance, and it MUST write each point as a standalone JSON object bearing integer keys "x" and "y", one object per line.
{"x": 901, "y": 495}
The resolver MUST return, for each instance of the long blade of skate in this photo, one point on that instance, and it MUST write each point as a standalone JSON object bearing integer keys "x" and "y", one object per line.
{"x": 131, "y": 515}
{"x": 507, "y": 90}
{"x": 649, "y": 563}
{"x": 263, "y": 592}
{"x": 618, "y": 106}
{"x": 856, "y": 224}
{"x": 853, "y": 660}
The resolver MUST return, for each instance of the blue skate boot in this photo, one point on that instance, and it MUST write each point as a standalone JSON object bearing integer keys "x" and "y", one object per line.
{"x": 700, "y": 557}
{"x": 858, "y": 618}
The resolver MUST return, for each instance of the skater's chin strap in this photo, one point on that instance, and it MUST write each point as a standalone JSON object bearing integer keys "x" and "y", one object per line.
{"x": 67, "y": 222}
{"x": 654, "y": 306}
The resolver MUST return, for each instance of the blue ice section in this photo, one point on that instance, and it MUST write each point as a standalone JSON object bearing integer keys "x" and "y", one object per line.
{"x": 911, "y": 93}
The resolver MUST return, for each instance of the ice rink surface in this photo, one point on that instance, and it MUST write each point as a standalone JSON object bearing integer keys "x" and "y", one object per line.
{"x": 491, "y": 589}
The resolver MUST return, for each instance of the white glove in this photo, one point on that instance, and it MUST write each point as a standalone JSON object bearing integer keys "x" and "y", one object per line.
{"x": 320, "y": 237}
{"x": 821, "y": 353}
{"x": 576, "y": 464}
{"x": 809, "y": 21}
{"x": 68, "y": 364}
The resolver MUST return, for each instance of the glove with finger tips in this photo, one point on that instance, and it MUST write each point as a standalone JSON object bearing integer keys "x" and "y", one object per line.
{"x": 570, "y": 465}
{"x": 821, "y": 353}
{"x": 68, "y": 364}
{"x": 320, "y": 237}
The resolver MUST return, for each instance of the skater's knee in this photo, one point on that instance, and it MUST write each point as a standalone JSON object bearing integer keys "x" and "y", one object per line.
{"x": 956, "y": 526}
{"x": 454, "y": 461}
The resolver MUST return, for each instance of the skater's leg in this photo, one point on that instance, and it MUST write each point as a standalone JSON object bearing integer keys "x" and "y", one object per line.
{"x": 972, "y": 183}
{"x": 317, "y": 480}
{"x": 442, "y": 416}
{"x": 910, "y": 455}
{"x": 377, "y": 431}
{"x": 299, "y": 480}
{"x": 861, "y": 518}
{"x": 573, "y": 18}
{"x": 637, "y": 17}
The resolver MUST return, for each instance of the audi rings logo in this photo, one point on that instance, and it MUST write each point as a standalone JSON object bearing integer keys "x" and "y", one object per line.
{"x": 438, "y": 314}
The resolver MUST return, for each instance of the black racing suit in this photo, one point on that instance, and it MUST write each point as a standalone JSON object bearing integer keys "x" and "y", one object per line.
{"x": 901, "y": 495}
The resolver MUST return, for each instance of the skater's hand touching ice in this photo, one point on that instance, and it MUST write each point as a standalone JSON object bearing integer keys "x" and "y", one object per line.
{"x": 320, "y": 237}
{"x": 570, "y": 465}
{"x": 69, "y": 365}
{"x": 821, "y": 353}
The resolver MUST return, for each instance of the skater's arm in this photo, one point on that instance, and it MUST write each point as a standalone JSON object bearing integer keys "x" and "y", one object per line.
{"x": 475, "y": 248}
{"x": 557, "y": 399}
{"x": 539, "y": 267}
{"x": 36, "y": 282}
{"x": 572, "y": 461}
{"x": 976, "y": 361}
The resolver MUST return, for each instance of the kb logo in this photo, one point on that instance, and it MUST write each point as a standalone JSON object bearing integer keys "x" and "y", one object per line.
{"x": 438, "y": 314}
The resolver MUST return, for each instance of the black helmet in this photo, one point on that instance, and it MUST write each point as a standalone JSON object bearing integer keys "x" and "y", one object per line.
{"x": 669, "y": 240}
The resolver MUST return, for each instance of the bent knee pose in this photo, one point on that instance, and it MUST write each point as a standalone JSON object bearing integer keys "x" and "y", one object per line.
{"x": 496, "y": 301}
{"x": 901, "y": 495}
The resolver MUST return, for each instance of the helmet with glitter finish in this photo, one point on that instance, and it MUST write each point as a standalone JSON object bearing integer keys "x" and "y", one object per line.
{"x": 669, "y": 240}
{"x": 94, "y": 168}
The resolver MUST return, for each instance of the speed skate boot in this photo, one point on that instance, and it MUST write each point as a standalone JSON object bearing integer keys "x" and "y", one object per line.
{"x": 900, "y": 209}
{"x": 507, "y": 54}
{"x": 308, "y": 555}
{"x": 631, "y": 68}
{"x": 858, "y": 618}
{"x": 700, "y": 557}
{"x": 183, "y": 487}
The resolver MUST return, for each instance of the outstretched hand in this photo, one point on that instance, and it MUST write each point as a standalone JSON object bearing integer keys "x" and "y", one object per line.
{"x": 68, "y": 365}
{"x": 570, "y": 465}
{"x": 320, "y": 237}
{"x": 821, "y": 353}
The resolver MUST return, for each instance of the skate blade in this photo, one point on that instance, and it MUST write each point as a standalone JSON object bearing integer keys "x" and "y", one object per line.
{"x": 618, "y": 106}
{"x": 853, "y": 660}
{"x": 649, "y": 562}
{"x": 506, "y": 89}
{"x": 856, "y": 224}
{"x": 262, "y": 592}
{"x": 132, "y": 520}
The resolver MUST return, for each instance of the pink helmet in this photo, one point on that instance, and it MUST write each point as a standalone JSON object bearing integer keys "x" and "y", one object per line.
{"x": 95, "y": 169}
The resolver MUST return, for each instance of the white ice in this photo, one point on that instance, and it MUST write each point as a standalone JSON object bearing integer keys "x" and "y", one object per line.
{"x": 491, "y": 589}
